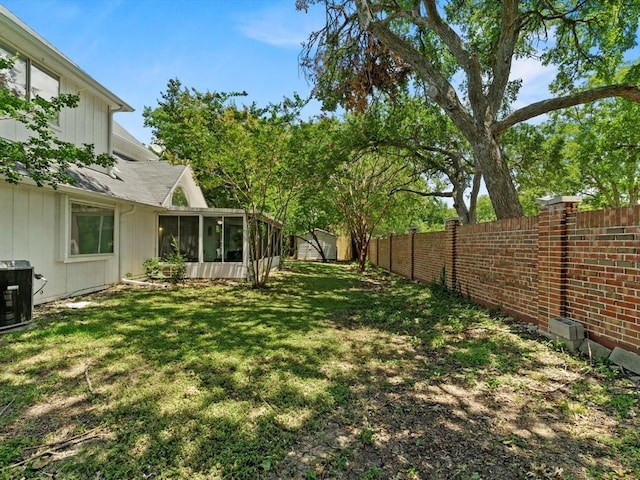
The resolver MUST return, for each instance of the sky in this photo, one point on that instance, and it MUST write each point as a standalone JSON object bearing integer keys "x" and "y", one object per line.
{"x": 133, "y": 47}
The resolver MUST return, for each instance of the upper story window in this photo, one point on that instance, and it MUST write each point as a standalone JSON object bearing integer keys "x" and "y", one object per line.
{"x": 26, "y": 79}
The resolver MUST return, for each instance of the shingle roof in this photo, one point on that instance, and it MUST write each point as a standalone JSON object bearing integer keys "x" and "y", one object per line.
{"x": 141, "y": 182}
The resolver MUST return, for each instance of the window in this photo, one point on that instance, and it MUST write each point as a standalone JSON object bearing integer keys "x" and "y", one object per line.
{"x": 14, "y": 79}
{"x": 27, "y": 78}
{"x": 92, "y": 230}
{"x": 42, "y": 84}
{"x": 185, "y": 231}
{"x": 179, "y": 198}
{"x": 212, "y": 239}
{"x": 222, "y": 237}
{"x": 233, "y": 239}
{"x": 276, "y": 242}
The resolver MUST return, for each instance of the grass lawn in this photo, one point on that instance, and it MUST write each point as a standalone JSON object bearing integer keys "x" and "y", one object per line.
{"x": 326, "y": 374}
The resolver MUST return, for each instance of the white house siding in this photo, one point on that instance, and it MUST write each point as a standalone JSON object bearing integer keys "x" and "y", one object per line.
{"x": 307, "y": 251}
{"x": 88, "y": 123}
{"x": 31, "y": 223}
{"x": 216, "y": 270}
{"x": 137, "y": 239}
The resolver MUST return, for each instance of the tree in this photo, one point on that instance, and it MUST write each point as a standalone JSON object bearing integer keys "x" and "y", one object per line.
{"x": 246, "y": 151}
{"x": 591, "y": 150}
{"x": 601, "y": 149}
{"x": 367, "y": 183}
{"x": 42, "y": 157}
{"x": 425, "y": 139}
{"x": 379, "y": 44}
{"x": 313, "y": 206}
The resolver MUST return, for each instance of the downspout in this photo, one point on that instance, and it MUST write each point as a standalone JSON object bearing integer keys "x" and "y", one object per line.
{"x": 110, "y": 128}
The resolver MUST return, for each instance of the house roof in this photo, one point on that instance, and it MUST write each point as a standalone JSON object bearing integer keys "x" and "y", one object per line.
{"x": 128, "y": 147}
{"x": 142, "y": 182}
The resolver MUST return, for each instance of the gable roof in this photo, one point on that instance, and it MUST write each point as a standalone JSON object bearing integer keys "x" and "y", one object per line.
{"x": 149, "y": 183}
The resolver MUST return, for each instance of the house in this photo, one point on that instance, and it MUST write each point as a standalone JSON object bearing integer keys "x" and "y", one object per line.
{"x": 308, "y": 245}
{"x": 87, "y": 236}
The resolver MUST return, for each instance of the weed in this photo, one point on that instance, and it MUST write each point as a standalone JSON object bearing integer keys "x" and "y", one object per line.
{"x": 573, "y": 408}
{"x": 372, "y": 474}
{"x": 493, "y": 382}
{"x": 623, "y": 405}
{"x": 366, "y": 436}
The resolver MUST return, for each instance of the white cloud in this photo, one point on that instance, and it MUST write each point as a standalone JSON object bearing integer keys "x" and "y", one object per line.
{"x": 535, "y": 80}
{"x": 280, "y": 26}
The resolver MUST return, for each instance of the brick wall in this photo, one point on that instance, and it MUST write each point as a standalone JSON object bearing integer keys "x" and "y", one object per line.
{"x": 383, "y": 253}
{"x": 429, "y": 256}
{"x": 373, "y": 251}
{"x": 603, "y": 275}
{"x": 401, "y": 255}
{"x": 496, "y": 265}
{"x": 562, "y": 263}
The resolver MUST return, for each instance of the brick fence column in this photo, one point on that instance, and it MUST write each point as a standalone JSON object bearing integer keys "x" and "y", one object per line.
{"x": 391, "y": 252}
{"x": 451, "y": 236}
{"x": 412, "y": 232}
{"x": 554, "y": 216}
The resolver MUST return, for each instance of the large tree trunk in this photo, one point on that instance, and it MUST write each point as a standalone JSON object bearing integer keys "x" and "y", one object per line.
{"x": 497, "y": 177}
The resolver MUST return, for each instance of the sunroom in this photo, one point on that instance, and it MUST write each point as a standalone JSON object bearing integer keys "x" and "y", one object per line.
{"x": 215, "y": 241}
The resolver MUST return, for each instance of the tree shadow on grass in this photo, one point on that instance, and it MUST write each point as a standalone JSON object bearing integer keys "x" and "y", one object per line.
{"x": 325, "y": 373}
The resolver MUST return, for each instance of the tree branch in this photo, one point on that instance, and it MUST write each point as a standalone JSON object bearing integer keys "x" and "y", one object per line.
{"x": 629, "y": 91}
{"x": 424, "y": 194}
{"x": 443, "y": 94}
{"x": 501, "y": 65}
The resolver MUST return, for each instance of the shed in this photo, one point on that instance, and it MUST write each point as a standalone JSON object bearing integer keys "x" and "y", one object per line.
{"x": 308, "y": 245}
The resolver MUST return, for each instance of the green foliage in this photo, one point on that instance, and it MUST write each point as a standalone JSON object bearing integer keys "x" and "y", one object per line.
{"x": 484, "y": 209}
{"x": 175, "y": 260}
{"x": 461, "y": 57}
{"x": 314, "y": 204}
{"x": 244, "y": 153}
{"x": 590, "y": 151}
{"x": 153, "y": 268}
{"x": 171, "y": 266}
{"x": 43, "y": 157}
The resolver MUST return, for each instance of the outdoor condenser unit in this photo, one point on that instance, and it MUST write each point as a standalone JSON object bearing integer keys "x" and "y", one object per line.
{"x": 16, "y": 293}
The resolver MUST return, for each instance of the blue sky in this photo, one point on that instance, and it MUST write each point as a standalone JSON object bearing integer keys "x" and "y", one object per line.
{"x": 133, "y": 47}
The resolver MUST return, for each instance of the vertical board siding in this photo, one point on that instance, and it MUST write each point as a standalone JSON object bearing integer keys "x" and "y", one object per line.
{"x": 582, "y": 265}
{"x": 34, "y": 227}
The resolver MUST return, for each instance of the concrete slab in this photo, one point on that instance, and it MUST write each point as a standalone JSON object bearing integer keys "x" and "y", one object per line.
{"x": 594, "y": 350}
{"x": 626, "y": 359}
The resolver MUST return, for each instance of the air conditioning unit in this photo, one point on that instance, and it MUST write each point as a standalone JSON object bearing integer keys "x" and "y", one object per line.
{"x": 16, "y": 293}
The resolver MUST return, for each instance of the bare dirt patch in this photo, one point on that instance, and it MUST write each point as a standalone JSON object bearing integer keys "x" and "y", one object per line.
{"x": 417, "y": 416}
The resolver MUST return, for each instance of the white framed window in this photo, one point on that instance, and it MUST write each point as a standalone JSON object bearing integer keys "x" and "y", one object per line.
{"x": 26, "y": 79}
{"x": 91, "y": 230}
